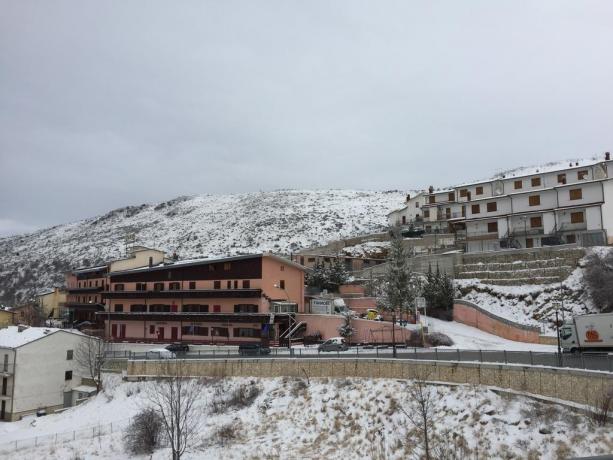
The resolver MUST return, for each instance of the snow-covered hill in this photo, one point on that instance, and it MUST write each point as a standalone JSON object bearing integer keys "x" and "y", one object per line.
{"x": 198, "y": 226}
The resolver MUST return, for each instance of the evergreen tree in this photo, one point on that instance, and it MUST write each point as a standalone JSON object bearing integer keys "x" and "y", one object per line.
{"x": 447, "y": 292}
{"x": 317, "y": 276}
{"x": 430, "y": 292}
{"x": 337, "y": 274}
{"x": 402, "y": 286}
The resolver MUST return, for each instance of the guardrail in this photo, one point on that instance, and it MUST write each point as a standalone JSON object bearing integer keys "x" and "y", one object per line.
{"x": 586, "y": 361}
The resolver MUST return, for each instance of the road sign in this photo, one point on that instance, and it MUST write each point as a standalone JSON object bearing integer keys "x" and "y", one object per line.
{"x": 420, "y": 302}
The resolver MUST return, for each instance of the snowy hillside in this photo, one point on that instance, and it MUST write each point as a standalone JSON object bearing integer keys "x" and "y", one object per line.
{"x": 198, "y": 226}
{"x": 320, "y": 418}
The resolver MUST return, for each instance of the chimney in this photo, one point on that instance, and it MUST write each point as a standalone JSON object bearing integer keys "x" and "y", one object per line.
{"x": 607, "y": 156}
{"x": 408, "y": 196}
{"x": 576, "y": 163}
{"x": 570, "y": 164}
{"x": 150, "y": 262}
{"x": 431, "y": 189}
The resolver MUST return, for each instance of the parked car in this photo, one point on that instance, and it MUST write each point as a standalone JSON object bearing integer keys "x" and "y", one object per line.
{"x": 253, "y": 349}
{"x": 161, "y": 353}
{"x": 333, "y": 344}
{"x": 177, "y": 347}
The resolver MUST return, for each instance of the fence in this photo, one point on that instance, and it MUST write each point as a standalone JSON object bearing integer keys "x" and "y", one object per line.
{"x": 587, "y": 361}
{"x": 91, "y": 432}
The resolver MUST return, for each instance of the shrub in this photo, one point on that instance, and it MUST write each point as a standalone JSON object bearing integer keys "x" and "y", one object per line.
{"x": 242, "y": 396}
{"x": 143, "y": 435}
{"x": 599, "y": 278}
{"x": 438, "y": 339}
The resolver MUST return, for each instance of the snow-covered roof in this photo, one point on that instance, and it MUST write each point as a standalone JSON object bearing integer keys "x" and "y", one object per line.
{"x": 10, "y": 337}
{"x": 538, "y": 169}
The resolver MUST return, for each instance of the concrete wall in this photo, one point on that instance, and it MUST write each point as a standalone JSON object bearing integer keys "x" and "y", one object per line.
{"x": 471, "y": 315}
{"x": 582, "y": 387}
{"x": 366, "y": 331}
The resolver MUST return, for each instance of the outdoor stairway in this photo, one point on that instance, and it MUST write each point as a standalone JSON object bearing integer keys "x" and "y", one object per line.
{"x": 514, "y": 269}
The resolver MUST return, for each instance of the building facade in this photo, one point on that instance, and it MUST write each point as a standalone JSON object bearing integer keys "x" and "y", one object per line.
{"x": 222, "y": 301}
{"x": 570, "y": 203}
{"x": 38, "y": 370}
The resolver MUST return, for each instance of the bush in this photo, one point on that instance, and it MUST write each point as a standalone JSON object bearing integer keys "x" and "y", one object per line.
{"x": 242, "y": 396}
{"x": 143, "y": 434}
{"x": 599, "y": 278}
{"x": 438, "y": 339}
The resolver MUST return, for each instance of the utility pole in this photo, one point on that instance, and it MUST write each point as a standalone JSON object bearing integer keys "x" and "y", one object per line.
{"x": 394, "y": 333}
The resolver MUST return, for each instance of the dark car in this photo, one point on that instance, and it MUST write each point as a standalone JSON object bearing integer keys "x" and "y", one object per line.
{"x": 177, "y": 347}
{"x": 253, "y": 349}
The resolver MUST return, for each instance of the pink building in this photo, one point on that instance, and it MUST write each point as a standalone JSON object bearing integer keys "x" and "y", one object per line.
{"x": 222, "y": 301}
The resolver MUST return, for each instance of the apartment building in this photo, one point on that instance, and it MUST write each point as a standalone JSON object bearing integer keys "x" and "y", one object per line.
{"x": 85, "y": 285}
{"x": 562, "y": 203}
{"x": 218, "y": 301}
{"x": 38, "y": 370}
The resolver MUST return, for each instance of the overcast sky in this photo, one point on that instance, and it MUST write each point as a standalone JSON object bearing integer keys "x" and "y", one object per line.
{"x": 110, "y": 103}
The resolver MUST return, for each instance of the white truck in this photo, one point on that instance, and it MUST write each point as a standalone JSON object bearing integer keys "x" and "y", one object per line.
{"x": 593, "y": 332}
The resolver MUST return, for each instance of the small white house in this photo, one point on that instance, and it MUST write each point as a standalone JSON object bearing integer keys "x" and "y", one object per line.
{"x": 38, "y": 370}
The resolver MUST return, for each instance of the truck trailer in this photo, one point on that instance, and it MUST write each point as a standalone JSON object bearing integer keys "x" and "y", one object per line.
{"x": 592, "y": 332}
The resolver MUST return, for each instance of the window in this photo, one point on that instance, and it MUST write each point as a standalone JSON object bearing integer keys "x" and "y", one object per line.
{"x": 571, "y": 239}
{"x": 159, "y": 308}
{"x": 447, "y": 213}
{"x": 174, "y": 286}
{"x": 561, "y": 178}
{"x": 192, "y": 285}
{"x": 158, "y": 286}
{"x": 536, "y": 222}
{"x": 235, "y": 284}
{"x": 536, "y": 181}
{"x": 492, "y": 227}
{"x": 151, "y": 329}
{"x": 138, "y": 308}
{"x": 217, "y": 284}
{"x": 518, "y": 184}
{"x": 311, "y": 259}
{"x": 282, "y": 284}
{"x": 475, "y": 209}
{"x": 246, "y": 284}
{"x": 581, "y": 175}
{"x": 96, "y": 283}
{"x": 195, "y": 308}
{"x": 491, "y": 207}
{"x": 426, "y": 213}
{"x": 219, "y": 331}
{"x": 119, "y": 308}
{"x": 227, "y": 266}
{"x": 216, "y": 308}
{"x": 211, "y": 268}
{"x": 228, "y": 284}
{"x": 417, "y": 204}
{"x": 69, "y": 354}
{"x": 479, "y": 190}
{"x": 575, "y": 194}
{"x": 576, "y": 217}
{"x": 141, "y": 286}
{"x": 118, "y": 287}
{"x": 428, "y": 228}
{"x": 68, "y": 375}
{"x": 534, "y": 200}
{"x": 451, "y": 196}
{"x": 246, "y": 332}
{"x": 245, "y": 308}
{"x": 282, "y": 267}
{"x": 529, "y": 243}
{"x": 194, "y": 329}
{"x": 431, "y": 199}
{"x": 464, "y": 193}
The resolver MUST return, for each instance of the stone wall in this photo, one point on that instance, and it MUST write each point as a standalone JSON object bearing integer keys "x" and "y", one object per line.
{"x": 470, "y": 314}
{"x": 578, "y": 386}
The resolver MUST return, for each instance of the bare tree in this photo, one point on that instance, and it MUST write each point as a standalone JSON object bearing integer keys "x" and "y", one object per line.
{"x": 603, "y": 407}
{"x": 90, "y": 356}
{"x": 422, "y": 413}
{"x": 174, "y": 397}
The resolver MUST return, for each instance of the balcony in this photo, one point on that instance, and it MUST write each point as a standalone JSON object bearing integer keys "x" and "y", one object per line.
{"x": 482, "y": 236}
{"x": 84, "y": 306}
{"x": 263, "y": 318}
{"x": 570, "y": 227}
{"x": 80, "y": 290}
{"x": 186, "y": 294}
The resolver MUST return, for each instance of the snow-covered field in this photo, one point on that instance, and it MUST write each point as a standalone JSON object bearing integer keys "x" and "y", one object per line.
{"x": 199, "y": 226}
{"x": 324, "y": 418}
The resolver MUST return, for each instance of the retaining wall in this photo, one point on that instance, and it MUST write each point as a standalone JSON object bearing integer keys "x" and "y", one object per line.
{"x": 581, "y": 387}
{"x": 470, "y": 314}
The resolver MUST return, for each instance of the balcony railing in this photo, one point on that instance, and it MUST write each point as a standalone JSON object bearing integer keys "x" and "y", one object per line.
{"x": 185, "y": 293}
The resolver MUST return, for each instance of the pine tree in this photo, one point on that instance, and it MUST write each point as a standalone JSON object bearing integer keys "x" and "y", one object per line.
{"x": 337, "y": 274}
{"x": 430, "y": 288}
{"x": 317, "y": 276}
{"x": 402, "y": 286}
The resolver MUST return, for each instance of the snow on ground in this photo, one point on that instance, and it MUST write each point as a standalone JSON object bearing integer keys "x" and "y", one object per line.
{"x": 533, "y": 304}
{"x": 326, "y": 418}
{"x": 470, "y": 338}
{"x": 368, "y": 249}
